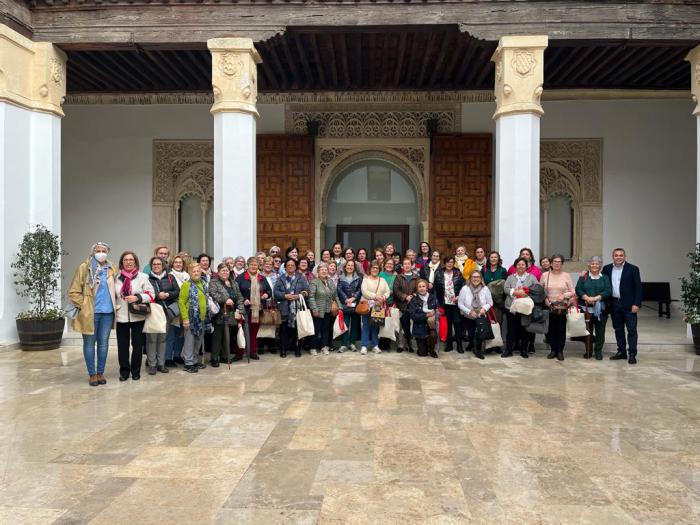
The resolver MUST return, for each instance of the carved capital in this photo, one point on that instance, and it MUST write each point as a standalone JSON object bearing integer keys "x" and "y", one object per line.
{"x": 694, "y": 59}
{"x": 234, "y": 75}
{"x": 32, "y": 74}
{"x": 519, "y": 74}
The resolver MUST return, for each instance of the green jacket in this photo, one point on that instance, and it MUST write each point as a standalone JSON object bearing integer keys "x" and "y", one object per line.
{"x": 184, "y": 300}
{"x": 389, "y": 278}
{"x": 593, "y": 287}
{"x": 321, "y": 296}
{"x": 500, "y": 273}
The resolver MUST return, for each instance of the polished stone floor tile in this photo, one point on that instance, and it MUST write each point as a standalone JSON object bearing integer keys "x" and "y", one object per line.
{"x": 351, "y": 439}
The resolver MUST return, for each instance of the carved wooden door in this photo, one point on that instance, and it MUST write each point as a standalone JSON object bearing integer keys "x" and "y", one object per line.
{"x": 461, "y": 192}
{"x": 285, "y": 191}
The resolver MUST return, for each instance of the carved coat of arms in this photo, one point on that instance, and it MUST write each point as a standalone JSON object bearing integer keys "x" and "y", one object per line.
{"x": 523, "y": 62}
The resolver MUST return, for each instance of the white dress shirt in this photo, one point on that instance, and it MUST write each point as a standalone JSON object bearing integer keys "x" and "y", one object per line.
{"x": 615, "y": 280}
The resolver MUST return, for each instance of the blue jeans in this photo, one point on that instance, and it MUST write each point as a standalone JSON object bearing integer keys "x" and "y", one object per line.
{"x": 103, "y": 325}
{"x": 173, "y": 342}
{"x": 370, "y": 332}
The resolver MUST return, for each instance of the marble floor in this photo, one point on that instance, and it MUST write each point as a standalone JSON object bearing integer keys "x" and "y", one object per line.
{"x": 388, "y": 438}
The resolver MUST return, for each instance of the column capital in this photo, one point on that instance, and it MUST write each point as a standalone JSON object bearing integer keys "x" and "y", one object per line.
{"x": 694, "y": 58}
{"x": 234, "y": 75}
{"x": 519, "y": 74}
{"x": 33, "y": 74}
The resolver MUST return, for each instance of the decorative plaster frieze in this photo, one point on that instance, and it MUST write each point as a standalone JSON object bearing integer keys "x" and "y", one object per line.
{"x": 234, "y": 75}
{"x": 694, "y": 59}
{"x": 519, "y": 74}
{"x": 32, "y": 74}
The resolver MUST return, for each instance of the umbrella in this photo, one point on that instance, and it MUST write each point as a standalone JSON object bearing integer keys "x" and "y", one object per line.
{"x": 227, "y": 336}
{"x": 246, "y": 331}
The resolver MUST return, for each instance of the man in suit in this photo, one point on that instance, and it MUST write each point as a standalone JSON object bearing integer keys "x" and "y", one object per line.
{"x": 624, "y": 303}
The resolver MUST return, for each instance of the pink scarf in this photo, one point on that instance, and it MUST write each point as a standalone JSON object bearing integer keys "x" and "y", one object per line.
{"x": 128, "y": 276}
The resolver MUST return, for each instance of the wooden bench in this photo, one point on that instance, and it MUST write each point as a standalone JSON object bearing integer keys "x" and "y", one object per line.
{"x": 661, "y": 293}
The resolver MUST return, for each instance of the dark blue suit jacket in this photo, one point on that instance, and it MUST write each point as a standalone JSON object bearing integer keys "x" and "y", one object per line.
{"x": 630, "y": 285}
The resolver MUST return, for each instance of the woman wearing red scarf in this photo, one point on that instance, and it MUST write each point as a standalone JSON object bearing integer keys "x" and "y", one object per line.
{"x": 256, "y": 291}
{"x": 131, "y": 288}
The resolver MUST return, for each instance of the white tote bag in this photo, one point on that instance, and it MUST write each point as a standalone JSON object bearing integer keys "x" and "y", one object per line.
{"x": 267, "y": 331}
{"x": 339, "y": 326}
{"x": 575, "y": 323}
{"x": 497, "y": 340}
{"x": 305, "y": 321}
{"x": 390, "y": 327}
{"x": 522, "y": 305}
{"x": 240, "y": 336}
{"x": 156, "y": 321}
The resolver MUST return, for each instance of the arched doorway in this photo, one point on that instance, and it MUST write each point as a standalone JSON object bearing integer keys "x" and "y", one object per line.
{"x": 370, "y": 202}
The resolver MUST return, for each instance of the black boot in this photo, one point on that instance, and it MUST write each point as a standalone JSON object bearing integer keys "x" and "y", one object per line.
{"x": 552, "y": 354}
{"x": 560, "y": 355}
{"x": 507, "y": 353}
{"x": 618, "y": 355}
{"x": 478, "y": 351}
{"x": 460, "y": 349}
{"x": 524, "y": 354}
{"x": 448, "y": 346}
{"x": 598, "y": 355}
{"x": 283, "y": 353}
{"x": 531, "y": 348}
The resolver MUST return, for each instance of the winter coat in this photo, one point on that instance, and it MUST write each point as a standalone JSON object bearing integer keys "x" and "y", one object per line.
{"x": 512, "y": 283}
{"x": 243, "y": 282}
{"x": 439, "y": 284}
{"x": 349, "y": 290}
{"x": 424, "y": 273}
{"x": 321, "y": 296}
{"x": 184, "y": 299}
{"x": 403, "y": 288}
{"x": 419, "y": 317}
{"x": 298, "y": 287}
{"x": 140, "y": 287}
{"x": 82, "y": 295}
{"x": 490, "y": 276}
{"x": 167, "y": 284}
{"x": 222, "y": 293}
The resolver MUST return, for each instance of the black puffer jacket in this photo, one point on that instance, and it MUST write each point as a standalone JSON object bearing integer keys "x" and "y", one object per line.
{"x": 167, "y": 284}
{"x": 419, "y": 317}
{"x": 439, "y": 284}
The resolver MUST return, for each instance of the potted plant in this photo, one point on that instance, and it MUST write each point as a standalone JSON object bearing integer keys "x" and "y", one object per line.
{"x": 690, "y": 295}
{"x": 37, "y": 272}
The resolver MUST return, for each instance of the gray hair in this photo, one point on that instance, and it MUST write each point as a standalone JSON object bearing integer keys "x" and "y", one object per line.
{"x": 322, "y": 265}
{"x": 594, "y": 259}
{"x": 100, "y": 243}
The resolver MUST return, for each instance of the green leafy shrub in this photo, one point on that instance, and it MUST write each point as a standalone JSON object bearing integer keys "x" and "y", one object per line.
{"x": 690, "y": 288}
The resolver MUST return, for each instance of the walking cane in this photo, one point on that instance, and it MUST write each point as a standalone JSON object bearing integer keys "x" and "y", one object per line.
{"x": 246, "y": 331}
{"x": 227, "y": 335}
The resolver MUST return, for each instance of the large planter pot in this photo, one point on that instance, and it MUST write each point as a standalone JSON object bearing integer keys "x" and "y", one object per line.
{"x": 695, "y": 329}
{"x": 39, "y": 334}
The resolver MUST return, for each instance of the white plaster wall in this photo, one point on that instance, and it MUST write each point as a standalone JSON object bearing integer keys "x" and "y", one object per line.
{"x": 649, "y": 174}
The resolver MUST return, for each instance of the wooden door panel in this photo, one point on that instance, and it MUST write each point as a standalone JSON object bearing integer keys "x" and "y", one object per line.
{"x": 285, "y": 183}
{"x": 461, "y": 192}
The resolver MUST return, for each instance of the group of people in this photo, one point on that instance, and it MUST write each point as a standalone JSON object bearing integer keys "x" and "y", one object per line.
{"x": 178, "y": 308}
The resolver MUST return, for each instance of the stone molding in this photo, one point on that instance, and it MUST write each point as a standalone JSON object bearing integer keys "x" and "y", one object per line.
{"x": 519, "y": 74}
{"x": 573, "y": 168}
{"x": 234, "y": 75}
{"x": 694, "y": 58}
{"x": 32, "y": 74}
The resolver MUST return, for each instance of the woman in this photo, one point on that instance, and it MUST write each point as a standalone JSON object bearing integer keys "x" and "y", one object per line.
{"x": 131, "y": 288}
{"x": 304, "y": 270}
{"x": 196, "y": 317}
{"x": 424, "y": 255}
{"x": 526, "y": 253}
{"x": 322, "y": 295}
{"x": 389, "y": 251}
{"x": 389, "y": 275}
{"x": 204, "y": 262}
{"x": 464, "y": 263}
{"x": 312, "y": 261}
{"x": 362, "y": 260}
{"x": 428, "y": 270}
{"x": 269, "y": 273}
{"x": 288, "y": 288}
{"x": 260, "y": 256}
{"x": 337, "y": 252}
{"x": 447, "y": 286}
{"x": 559, "y": 293}
{"x": 517, "y": 286}
{"x": 545, "y": 264}
{"x": 238, "y": 267}
{"x": 494, "y": 270}
{"x": 349, "y": 255}
{"x": 166, "y": 293}
{"x": 325, "y": 258}
{"x": 226, "y": 293}
{"x": 376, "y": 292}
{"x": 349, "y": 294}
{"x": 396, "y": 257}
{"x": 474, "y": 301}
{"x": 480, "y": 258}
{"x": 593, "y": 289}
{"x": 176, "y": 337}
{"x": 291, "y": 253}
{"x": 92, "y": 292}
{"x": 333, "y": 273}
{"x": 379, "y": 257}
{"x": 256, "y": 291}
{"x": 421, "y": 308}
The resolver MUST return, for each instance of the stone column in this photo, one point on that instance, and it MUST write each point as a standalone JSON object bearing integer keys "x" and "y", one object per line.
{"x": 694, "y": 59}
{"x": 234, "y": 81}
{"x": 32, "y": 89}
{"x": 519, "y": 73}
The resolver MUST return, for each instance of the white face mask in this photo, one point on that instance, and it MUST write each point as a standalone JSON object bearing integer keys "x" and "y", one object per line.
{"x": 100, "y": 257}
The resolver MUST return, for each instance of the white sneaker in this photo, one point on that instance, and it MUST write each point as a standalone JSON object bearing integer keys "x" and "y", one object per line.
{"x": 353, "y": 348}
{"x": 364, "y": 350}
{"x": 377, "y": 350}
{"x": 342, "y": 349}
{"x": 313, "y": 351}
{"x": 325, "y": 350}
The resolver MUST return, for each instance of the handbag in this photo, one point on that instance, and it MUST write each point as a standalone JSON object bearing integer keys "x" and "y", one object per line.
{"x": 305, "y": 321}
{"x": 362, "y": 307}
{"x": 483, "y": 330}
{"x": 497, "y": 340}
{"x": 156, "y": 321}
{"x": 522, "y": 305}
{"x": 172, "y": 311}
{"x": 377, "y": 316}
{"x": 339, "y": 326}
{"x": 271, "y": 317}
{"x": 140, "y": 308}
{"x": 267, "y": 331}
{"x": 576, "y": 323}
{"x": 240, "y": 336}
{"x": 214, "y": 307}
{"x": 334, "y": 308}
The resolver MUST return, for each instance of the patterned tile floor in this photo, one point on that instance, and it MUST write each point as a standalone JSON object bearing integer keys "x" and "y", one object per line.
{"x": 387, "y": 438}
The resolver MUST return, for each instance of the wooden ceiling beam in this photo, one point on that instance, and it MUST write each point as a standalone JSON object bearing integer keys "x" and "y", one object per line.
{"x": 400, "y": 58}
{"x": 486, "y": 70}
{"x": 319, "y": 62}
{"x": 386, "y": 54}
{"x": 464, "y": 66}
{"x": 267, "y": 68}
{"x": 447, "y": 38}
{"x": 334, "y": 61}
{"x": 478, "y": 59}
{"x": 651, "y": 77}
{"x": 372, "y": 56}
{"x": 412, "y": 58}
{"x": 109, "y": 57}
{"x": 462, "y": 44}
{"x": 583, "y": 56}
{"x": 93, "y": 71}
{"x": 281, "y": 73}
{"x": 147, "y": 66}
{"x": 613, "y": 54}
{"x": 197, "y": 58}
{"x": 358, "y": 60}
{"x": 74, "y": 72}
{"x": 190, "y": 69}
{"x": 426, "y": 59}
{"x": 165, "y": 66}
{"x": 291, "y": 63}
{"x": 344, "y": 58}
{"x": 301, "y": 51}
{"x": 637, "y": 65}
